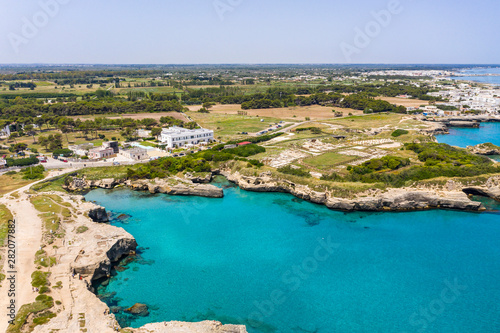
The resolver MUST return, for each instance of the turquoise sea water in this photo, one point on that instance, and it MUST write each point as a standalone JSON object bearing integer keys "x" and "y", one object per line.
{"x": 463, "y": 137}
{"x": 279, "y": 264}
{"x": 484, "y": 78}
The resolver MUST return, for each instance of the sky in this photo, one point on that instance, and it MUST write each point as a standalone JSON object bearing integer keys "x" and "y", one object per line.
{"x": 249, "y": 31}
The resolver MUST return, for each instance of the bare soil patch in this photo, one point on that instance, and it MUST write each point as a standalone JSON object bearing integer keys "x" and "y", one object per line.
{"x": 314, "y": 112}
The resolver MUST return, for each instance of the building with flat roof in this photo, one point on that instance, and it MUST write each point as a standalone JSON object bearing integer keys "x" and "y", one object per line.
{"x": 81, "y": 149}
{"x": 111, "y": 144}
{"x": 135, "y": 154}
{"x": 98, "y": 153}
{"x": 175, "y": 137}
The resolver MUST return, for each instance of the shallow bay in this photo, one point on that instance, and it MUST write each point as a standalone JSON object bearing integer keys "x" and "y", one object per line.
{"x": 279, "y": 264}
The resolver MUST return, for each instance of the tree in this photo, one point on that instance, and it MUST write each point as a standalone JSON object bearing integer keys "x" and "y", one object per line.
{"x": 39, "y": 122}
{"x": 13, "y": 136}
{"x": 20, "y": 147}
{"x": 156, "y": 132}
{"x": 46, "y": 119}
{"x": 43, "y": 141}
{"x": 149, "y": 122}
{"x": 30, "y": 131}
{"x": 55, "y": 141}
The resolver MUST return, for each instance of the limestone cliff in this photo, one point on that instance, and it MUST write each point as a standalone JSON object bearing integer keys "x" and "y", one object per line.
{"x": 172, "y": 186}
{"x": 484, "y": 149}
{"x": 391, "y": 200}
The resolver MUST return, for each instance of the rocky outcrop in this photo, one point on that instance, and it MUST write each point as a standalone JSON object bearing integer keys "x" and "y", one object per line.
{"x": 437, "y": 128}
{"x": 200, "y": 178}
{"x": 491, "y": 192}
{"x": 403, "y": 200}
{"x": 176, "y": 188}
{"x": 200, "y": 327}
{"x": 172, "y": 186}
{"x": 392, "y": 200}
{"x": 467, "y": 124}
{"x": 98, "y": 214}
{"x": 138, "y": 309}
{"x": 100, "y": 248}
{"x": 484, "y": 149}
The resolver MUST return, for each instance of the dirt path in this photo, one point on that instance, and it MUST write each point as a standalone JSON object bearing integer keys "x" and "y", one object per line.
{"x": 28, "y": 236}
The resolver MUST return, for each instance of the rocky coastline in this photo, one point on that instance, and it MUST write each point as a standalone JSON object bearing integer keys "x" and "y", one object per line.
{"x": 487, "y": 149}
{"x": 396, "y": 200}
{"x": 172, "y": 186}
{"x": 90, "y": 255}
{"x": 95, "y": 252}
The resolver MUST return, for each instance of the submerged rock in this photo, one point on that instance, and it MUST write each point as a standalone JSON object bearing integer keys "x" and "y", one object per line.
{"x": 116, "y": 309}
{"x": 138, "y": 309}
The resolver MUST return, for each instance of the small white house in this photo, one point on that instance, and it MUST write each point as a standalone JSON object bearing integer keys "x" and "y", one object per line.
{"x": 179, "y": 137}
{"x": 82, "y": 149}
{"x": 135, "y": 154}
{"x": 98, "y": 153}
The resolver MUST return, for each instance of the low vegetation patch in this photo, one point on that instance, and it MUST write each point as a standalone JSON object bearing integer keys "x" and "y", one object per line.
{"x": 39, "y": 309}
{"x": 198, "y": 162}
{"x": 399, "y": 132}
{"x": 328, "y": 160}
{"x": 81, "y": 229}
{"x": 42, "y": 259}
{"x": 39, "y": 279}
{"x": 5, "y": 216}
{"x": 295, "y": 172}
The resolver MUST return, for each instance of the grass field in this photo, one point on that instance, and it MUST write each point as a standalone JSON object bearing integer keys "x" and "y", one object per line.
{"x": 228, "y": 126}
{"x": 299, "y": 113}
{"x": 328, "y": 160}
{"x": 71, "y": 138}
{"x": 9, "y": 183}
{"x": 377, "y": 120}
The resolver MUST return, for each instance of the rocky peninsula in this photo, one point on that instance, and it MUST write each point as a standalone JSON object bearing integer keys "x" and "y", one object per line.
{"x": 171, "y": 186}
{"x": 82, "y": 252}
{"x": 487, "y": 149}
{"x": 404, "y": 199}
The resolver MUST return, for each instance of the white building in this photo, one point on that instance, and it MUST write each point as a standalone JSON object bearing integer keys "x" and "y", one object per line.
{"x": 81, "y": 150}
{"x": 98, "y": 153}
{"x": 179, "y": 137}
{"x": 135, "y": 154}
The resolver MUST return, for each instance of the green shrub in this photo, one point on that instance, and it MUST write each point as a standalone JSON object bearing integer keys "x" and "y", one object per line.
{"x": 399, "y": 132}
{"x": 81, "y": 229}
{"x": 292, "y": 171}
{"x": 64, "y": 151}
{"x": 39, "y": 279}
